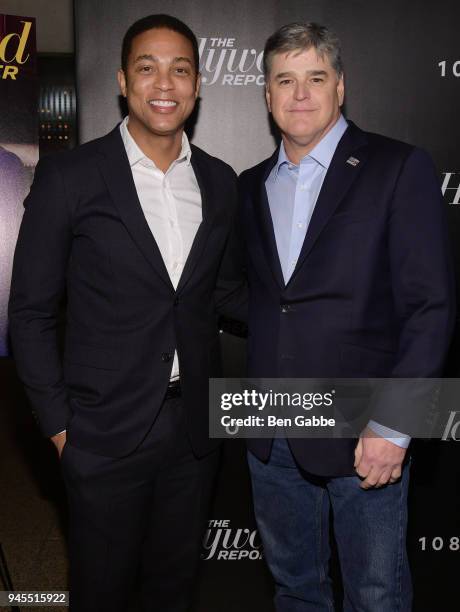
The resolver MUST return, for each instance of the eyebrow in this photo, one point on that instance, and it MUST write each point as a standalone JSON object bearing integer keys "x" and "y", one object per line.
{"x": 153, "y": 58}
{"x": 283, "y": 75}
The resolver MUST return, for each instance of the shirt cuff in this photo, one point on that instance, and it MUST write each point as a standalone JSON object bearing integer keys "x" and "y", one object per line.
{"x": 391, "y": 435}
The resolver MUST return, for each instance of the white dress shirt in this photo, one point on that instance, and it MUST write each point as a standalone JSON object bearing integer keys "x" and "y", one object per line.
{"x": 171, "y": 203}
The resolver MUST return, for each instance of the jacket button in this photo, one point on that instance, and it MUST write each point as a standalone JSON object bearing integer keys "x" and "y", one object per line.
{"x": 285, "y": 308}
{"x": 166, "y": 357}
{"x": 176, "y": 301}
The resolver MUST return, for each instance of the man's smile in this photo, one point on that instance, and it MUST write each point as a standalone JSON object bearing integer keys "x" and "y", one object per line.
{"x": 163, "y": 105}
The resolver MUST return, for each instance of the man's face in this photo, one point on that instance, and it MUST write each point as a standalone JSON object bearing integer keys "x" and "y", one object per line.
{"x": 161, "y": 83}
{"x": 304, "y": 95}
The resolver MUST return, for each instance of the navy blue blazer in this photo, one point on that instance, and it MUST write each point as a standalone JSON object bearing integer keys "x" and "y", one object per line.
{"x": 84, "y": 236}
{"x": 372, "y": 294}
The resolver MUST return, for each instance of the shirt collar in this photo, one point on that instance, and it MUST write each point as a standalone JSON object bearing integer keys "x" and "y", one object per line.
{"x": 136, "y": 155}
{"x": 323, "y": 152}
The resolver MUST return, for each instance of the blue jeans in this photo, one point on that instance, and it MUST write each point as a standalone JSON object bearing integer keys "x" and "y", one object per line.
{"x": 292, "y": 513}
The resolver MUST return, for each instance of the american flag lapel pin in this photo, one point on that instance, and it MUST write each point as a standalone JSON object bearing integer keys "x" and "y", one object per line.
{"x": 352, "y": 161}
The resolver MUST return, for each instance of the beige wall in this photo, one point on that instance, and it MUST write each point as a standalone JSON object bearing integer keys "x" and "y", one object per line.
{"x": 54, "y": 22}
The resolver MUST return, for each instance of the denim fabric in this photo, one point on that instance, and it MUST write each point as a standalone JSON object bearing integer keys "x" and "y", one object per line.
{"x": 292, "y": 512}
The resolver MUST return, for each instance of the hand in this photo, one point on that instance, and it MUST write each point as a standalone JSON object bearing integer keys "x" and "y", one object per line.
{"x": 59, "y": 441}
{"x": 377, "y": 460}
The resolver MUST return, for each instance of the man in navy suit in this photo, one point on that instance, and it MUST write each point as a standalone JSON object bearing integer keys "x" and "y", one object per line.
{"x": 135, "y": 229}
{"x": 350, "y": 276}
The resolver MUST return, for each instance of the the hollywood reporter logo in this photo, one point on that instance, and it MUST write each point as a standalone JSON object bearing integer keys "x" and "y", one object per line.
{"x": 452, "y": 429}
{"x": 224, "y": 63}
{"x": 224, "y": 543}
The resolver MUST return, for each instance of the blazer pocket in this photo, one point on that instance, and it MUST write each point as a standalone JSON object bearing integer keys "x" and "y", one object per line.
{"x": 93, "y": 356}
{"x": 365, "y": 362}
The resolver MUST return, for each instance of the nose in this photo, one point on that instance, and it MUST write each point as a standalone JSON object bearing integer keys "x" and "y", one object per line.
{"x": 163, "y": 80}
{"x": 301, "y": 91}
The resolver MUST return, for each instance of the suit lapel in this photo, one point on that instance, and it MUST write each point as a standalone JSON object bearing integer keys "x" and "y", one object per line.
{"x": 340, "y": 176}
{"x": 265, "y": 222}
{"x": 118, "y": 177}
{"x": 201, "y": 170}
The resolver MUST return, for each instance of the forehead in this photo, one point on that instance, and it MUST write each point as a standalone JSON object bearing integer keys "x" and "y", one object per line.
{"x": 299, "y": 60}
{"x": 159, "y": 42}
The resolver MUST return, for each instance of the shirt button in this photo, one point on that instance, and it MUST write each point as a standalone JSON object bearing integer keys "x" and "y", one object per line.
{"x": 165, "y": 357}
{"x": 299, "y": 225}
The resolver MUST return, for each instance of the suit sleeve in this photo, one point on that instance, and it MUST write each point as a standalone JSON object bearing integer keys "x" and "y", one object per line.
{"x": 423, "y": 291}
{"x": 37, "y": 289}
{"x": 231, "y": 293}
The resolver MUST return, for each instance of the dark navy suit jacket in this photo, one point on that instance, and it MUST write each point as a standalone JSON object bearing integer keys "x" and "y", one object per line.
{"x": 84, "y": 235}
{"x": 372, "y": 294}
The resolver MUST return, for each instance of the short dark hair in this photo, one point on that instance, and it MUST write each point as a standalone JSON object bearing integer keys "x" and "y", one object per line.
{"x": 157, "y": 22}
{"x": 303, "y": 36}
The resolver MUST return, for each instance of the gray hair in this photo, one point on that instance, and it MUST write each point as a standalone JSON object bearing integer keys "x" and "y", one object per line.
{"x": 301, "y": 37}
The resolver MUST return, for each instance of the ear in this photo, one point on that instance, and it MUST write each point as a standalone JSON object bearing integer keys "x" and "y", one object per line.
{"x": 122, "y": 82}
{"x": 197, "y": 85}
{"x": 341, "y": 90}
{"x": 267, "y": 97}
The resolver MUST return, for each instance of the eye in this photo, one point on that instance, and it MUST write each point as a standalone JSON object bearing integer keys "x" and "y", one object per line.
{"x": 182, "y": 70}
{"x": 285, "y": 82}
{"x": 317, "y": 80}
{"x": 145, "y": 69}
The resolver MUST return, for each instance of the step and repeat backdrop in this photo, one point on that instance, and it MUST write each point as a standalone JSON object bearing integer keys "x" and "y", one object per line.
{"x": 402, "y": 76}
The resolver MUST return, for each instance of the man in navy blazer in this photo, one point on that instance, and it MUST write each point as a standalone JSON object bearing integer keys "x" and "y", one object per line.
{"x": 135, "y": 229}
{"x": 350, "y": 276}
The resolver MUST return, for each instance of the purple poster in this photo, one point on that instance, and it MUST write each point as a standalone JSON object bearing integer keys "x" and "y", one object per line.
{"x": 18, "y": 141}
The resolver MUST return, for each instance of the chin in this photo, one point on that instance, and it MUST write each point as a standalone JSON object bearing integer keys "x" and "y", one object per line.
{"x": 301, "y": 126}
{"x": 302, "y": 135}
{"x": 164, "y": 130}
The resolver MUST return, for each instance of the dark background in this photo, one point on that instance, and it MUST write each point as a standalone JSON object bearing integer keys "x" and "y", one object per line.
{"x": 391, "y": 51}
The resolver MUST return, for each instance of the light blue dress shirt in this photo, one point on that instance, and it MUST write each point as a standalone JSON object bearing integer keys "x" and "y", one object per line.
{"x": 292, "y": 193}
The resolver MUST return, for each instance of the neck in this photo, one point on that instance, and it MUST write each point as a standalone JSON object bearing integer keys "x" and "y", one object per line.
{"x": 162, "y": 150}
{"x": 296, "y": 148}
